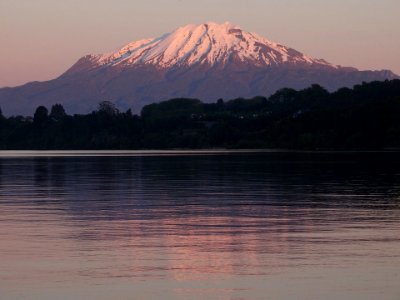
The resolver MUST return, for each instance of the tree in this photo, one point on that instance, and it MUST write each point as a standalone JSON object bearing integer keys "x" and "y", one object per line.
{"x": 2, "y": 118}
{"x": 57, "y": 112}
{"x": 129, "y": 113}
{"x": 108, "y": 108}
{"x": 41, "y": 115}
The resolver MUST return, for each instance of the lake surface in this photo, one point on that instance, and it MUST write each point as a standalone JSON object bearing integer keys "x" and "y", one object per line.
{"x": 199, "y": 225}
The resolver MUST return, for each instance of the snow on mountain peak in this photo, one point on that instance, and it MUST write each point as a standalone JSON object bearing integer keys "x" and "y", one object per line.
{"x": 209, "y": 43}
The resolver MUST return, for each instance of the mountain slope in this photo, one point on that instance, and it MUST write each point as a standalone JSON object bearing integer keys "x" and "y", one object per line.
{"x": 207, "y": 61}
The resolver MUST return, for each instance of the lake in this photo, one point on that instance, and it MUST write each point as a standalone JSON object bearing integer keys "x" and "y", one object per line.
{"x": 200, "y": 225}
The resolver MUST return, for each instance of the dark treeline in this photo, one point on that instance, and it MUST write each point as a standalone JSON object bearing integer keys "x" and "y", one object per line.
{"x": 365, "y": 117}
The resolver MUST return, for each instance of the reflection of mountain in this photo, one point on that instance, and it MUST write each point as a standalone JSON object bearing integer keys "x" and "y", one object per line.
{"x": 197, "y": 217}
{"x": 198, "y": 227}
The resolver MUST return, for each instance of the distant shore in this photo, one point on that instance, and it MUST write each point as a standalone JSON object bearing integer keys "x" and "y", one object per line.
{"x": 363, "y": 118}
{"x": 177, "y": 152}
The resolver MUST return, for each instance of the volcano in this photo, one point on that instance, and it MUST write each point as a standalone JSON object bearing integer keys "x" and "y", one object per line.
{"x": 207, "y": 61}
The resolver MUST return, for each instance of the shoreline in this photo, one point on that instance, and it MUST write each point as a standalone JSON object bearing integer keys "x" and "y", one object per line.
{"x": 174, "y": 152}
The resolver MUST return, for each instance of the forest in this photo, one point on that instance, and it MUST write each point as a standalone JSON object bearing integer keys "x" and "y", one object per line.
{"x": 366, "y": 116}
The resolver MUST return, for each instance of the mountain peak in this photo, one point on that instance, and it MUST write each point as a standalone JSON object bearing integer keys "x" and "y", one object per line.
{"x": 208, "y": 43}
{"x": 218, "y": 26}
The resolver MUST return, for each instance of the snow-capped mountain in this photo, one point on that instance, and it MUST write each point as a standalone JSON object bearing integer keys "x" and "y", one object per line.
{"x": 210, "y": 43}
{"x": 207, "y": 61}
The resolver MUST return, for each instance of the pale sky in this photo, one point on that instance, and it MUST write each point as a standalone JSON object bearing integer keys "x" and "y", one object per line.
{"x": 40, "y": 39}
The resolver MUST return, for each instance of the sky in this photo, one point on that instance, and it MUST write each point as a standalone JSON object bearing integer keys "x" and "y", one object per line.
{"x": 40, "y": 39}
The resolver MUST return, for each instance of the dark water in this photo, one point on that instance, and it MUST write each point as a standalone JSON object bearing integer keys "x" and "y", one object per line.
{"x": 183, "y": 226}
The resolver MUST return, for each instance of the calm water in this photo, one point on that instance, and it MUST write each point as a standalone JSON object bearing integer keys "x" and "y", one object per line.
{"x": 199, "y": 226}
